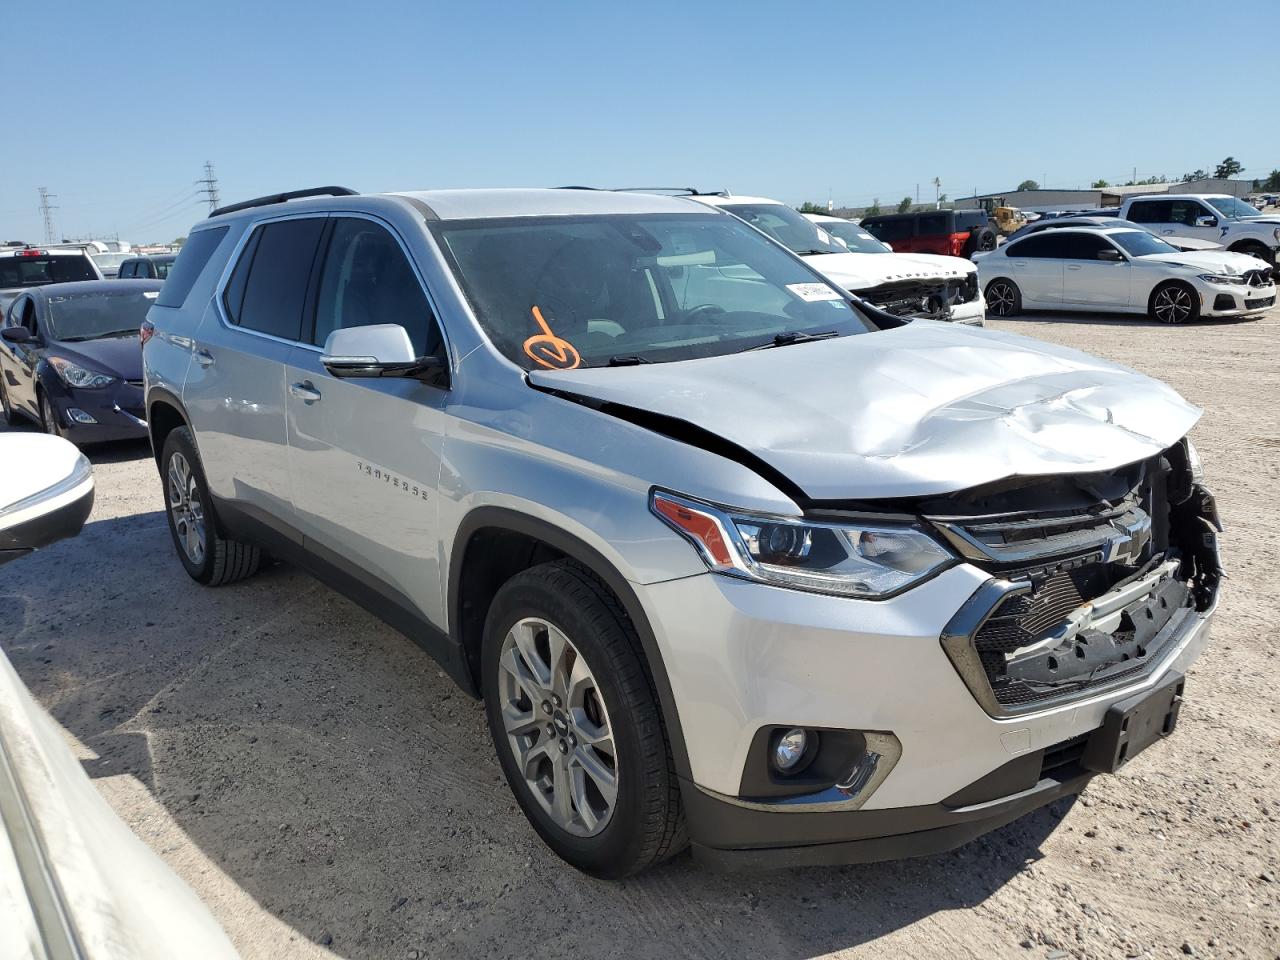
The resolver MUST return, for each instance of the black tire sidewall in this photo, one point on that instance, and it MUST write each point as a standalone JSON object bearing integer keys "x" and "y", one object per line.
{"x": 612, "y": 852}
{"x": 9, "y": 415}
{"x": 1017, "y": 296}
{"x": 179, "y": 441}
{"x": 49, "y": 416}
{"x": 1195, "y": 304}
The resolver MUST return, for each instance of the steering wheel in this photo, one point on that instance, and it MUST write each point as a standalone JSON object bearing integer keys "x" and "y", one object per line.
{"x": 702, "y": 313}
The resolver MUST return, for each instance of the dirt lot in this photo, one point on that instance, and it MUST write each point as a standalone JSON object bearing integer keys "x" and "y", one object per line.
{"x": 324, "y": 788}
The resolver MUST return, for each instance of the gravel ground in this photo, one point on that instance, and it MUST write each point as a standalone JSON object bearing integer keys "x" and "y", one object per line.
{"x": 327, "y": 791}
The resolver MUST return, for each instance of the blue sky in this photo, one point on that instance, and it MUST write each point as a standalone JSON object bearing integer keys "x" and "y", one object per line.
{"x": 125, "y": 102}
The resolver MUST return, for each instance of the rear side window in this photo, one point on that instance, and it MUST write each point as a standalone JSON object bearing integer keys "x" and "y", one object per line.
{"x": 1085, "y": 246}
{"x": 969, "y": 219}
{"x": 932, "y": 224}
{"x": 889, "y": 230}
{"x": 274, "y": 270}
{"x": 1050, "y": 245}
{"x": 192, "y": 259}
{"x": 1151, "y": 211}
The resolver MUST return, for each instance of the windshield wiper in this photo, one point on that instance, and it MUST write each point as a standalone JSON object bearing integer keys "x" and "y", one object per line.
{"x": 790, "y": 337}
{"x": 100, "y": 336}
{"x": 813, "y": 252}
{"x": 628, "y": 360}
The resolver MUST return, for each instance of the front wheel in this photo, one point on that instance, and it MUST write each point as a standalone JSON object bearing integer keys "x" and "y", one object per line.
{"x": 576, "y": 723}
{"x": 1174, "y": 303}
{"x": 7, "y": 412}
{"x": 49, "y": 417}
{"x": 1004, "y": 299}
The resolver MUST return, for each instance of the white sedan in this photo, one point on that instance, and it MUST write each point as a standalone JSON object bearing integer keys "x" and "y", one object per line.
{"x": 1122, "y": 270}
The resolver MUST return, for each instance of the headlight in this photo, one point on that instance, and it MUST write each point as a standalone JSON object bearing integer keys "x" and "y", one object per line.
{"x": 848, "y": 560}
{"x": 1221, "y": 278}
{"x": 1276, "y": 233}
{"x": 74, "y": 375}
{"x": 1194, "y": 463}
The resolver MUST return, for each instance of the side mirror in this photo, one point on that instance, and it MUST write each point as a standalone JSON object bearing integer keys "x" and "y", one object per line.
{"x": 1110, "y": 255}
{"x": 17, "y": 334}
{"x": 1206, "y": 221}
{"x": 49, "y": 498}
{"x": 379, "y": 350}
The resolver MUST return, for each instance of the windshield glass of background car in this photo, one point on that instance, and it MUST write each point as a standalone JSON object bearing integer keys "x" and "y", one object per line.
{"x": 1139, "y": 243}
{"x": 1233, "y": 207}
{"x": 657, "y": 287}
{"x": 88, "y": 316}
{"x": 35, "y": 271}
{"x": 787, "y": 226}
{"x": 855, "y": 238}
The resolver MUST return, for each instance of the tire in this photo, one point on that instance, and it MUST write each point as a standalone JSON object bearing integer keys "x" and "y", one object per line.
{"x": 1259, "y": 251}
{"x": 9, "y": 415}
{"x": 49, "y": 421}
{"x": 207, "y": 554}
{"x": 980, "y": 238}
{"x": 563, "y": 606}
{"x": 1174, "y": 302}
{"x": 1004, "y": 299}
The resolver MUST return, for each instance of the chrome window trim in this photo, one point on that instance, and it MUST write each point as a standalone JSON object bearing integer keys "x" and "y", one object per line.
{"x": 242, "y": 242}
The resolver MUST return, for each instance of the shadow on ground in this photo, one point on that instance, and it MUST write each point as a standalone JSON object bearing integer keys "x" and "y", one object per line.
{"x": 330, "y": 770}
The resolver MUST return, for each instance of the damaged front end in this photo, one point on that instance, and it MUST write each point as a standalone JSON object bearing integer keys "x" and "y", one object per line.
{"x": 927, "y": 299}
{"x": 1095, "y": 579}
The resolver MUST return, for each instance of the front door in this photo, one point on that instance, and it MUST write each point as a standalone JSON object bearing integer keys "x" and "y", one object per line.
{"x": 1089, "y": 279}
{"x": 365, "y": 454}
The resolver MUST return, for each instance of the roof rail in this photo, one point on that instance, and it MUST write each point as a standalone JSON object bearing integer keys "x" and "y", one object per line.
{"x": 282, "y": 197}
{"x": 678, "y": 191}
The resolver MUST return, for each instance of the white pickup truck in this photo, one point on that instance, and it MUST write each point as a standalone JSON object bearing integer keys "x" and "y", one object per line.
{"x": 1208, "y": 216}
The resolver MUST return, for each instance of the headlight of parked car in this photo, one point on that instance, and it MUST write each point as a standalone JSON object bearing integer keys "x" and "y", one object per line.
{"x": 1221, "y": 278}
{"x": 848, "y": 560}
{"x": 74, "y": 375}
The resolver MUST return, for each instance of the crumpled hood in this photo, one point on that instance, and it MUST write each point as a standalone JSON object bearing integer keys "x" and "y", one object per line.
{"x": 923, "y": 409}
{"x": 861, "y": 271}
{"x": 1217, "y": 261}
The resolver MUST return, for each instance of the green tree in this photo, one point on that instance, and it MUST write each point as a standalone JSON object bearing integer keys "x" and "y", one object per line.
{"x": 1228, "y": 168}
{"x": 1028, "y": 185}
{"x": 905, "y": 205}
{"x": 874, "y": 209}
{"x": 808, "y": 207}
{"x": 1099, "y": 184}
{"x": 179, "y": 242}
{"x": 1196, "y": 175}
{"x": 1272, "y": 182}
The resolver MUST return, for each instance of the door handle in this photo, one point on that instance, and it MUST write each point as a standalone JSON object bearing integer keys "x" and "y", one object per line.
{"x": 204, "y": 358}
{"x": 1073, "y": 266}
{"x": 305, "y": 391}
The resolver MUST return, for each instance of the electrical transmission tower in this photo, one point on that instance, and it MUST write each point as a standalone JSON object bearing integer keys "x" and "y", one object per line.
{"x": 46, "y": 210}
{"x": 209, "y": 185}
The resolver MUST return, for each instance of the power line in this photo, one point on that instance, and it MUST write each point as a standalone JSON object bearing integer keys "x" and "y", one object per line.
{"x": 210, "y": 182}
{"x": 47, "y": 212}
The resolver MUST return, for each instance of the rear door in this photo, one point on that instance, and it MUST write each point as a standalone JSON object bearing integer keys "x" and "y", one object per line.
{"x": 1038, "y": 263}
{"x": 365, "y": 454}
{"x": 1090, "y": 280}
{"x": 235, "y": 391}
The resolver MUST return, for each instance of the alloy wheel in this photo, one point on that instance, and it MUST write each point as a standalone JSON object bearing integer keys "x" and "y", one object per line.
{"x": 557, "y": 727}
{"x": 1000, "y": 299}
{"x": 1173, "y": 305}
{"x": 186, "y": 509}
{"x": 49, "y": 418}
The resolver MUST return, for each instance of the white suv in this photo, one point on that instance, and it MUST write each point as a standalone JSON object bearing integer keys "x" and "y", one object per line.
{"x": 732, "y": 561}
{"x": 1208, "y": 216}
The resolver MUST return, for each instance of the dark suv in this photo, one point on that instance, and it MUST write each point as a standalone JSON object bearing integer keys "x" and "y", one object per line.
{"x": 953, "y": 233}
{"x": 147, "y": 267}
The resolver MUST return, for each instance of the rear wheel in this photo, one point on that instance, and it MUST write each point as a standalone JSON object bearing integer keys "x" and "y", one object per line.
{"x": 576, "y": 722}
{"x": 208, "y": 554}
{"x": 6, "y": 411}
{"x": 1004, "y": 299}
{"x": 980, "y": 239}
{"x": 1174, "y": 303}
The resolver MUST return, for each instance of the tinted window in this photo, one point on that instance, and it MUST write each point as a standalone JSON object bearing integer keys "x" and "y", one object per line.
{"x": 890, "y": 229}
{"x": 1186, "y": 211}
{"x": 160, "y": 268}
{"x": 126, "y": 269}
{"x": 968, "y": 219}
{"x": 277, "y": 278}
{"x": 190, "y": 264}
{"x": 367, "y": 279}
{"x": 932, "y": 224}
{"x": 20, "y": 271}
{"x": 1085, "y": 246}
{"x": 1151, "y": 211}
{"x": 93, "y": 316}
{"x": 1139, "y": 243}
{"x": 1048, "y": 245}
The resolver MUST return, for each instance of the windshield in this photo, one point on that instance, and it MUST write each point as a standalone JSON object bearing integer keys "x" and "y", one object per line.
{"x": 854, "y": 237}
{"x": 787, "y": 226}
{"x": 91, "y": 316}
{"x": 1139, "y": 243}
{"x": 162, "y": 266}
{"x": 563, "y": 292}
{"x": 35, "y": 271}
{"x": 1232, "y": 207}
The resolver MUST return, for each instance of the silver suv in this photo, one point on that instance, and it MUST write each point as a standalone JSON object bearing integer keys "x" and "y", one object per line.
{"x": 732, "y": 558}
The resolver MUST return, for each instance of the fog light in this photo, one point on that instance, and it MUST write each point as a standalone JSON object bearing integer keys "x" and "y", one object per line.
{"x": 79, "y": 416}
{"x": 790, "y": 749}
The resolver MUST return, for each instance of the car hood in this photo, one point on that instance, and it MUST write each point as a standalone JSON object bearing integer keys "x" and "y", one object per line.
{"x": 1218, "y": 261}
{"x": 861, "y": 271}
{"x": 1192, "y": 243}
{"x": 121, "y": 356}
{"x": 923, "y": 409}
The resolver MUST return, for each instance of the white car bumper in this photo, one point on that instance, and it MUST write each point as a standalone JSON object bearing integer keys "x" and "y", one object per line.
{"x": 1233, "y": 299}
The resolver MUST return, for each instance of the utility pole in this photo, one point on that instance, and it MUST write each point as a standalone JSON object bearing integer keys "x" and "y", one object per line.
{"x": 209, "y": 185}
{"x": 937, "y": 192}
{"x": 47, "y": 212}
